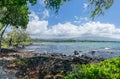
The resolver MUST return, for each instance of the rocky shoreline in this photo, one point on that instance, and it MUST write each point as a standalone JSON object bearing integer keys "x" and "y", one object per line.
{"x": 28, "y": 65}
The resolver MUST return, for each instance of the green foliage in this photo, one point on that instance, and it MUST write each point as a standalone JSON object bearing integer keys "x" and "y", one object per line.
{"x": 15, "y": 12}
{"x": 108, "y": 69}
{"x": 19, "y": 36}
{"x": 54, "y": 4}
{"x": 1, "y": 26}
{"x": 21, "y": 62}
{"x": 99, "y": 6}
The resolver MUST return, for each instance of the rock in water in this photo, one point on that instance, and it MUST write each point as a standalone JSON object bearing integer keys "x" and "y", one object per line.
{"x": 76, "y": 52}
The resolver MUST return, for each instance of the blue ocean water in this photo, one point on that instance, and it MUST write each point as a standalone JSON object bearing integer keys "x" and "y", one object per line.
{"x": 68, "y": 48}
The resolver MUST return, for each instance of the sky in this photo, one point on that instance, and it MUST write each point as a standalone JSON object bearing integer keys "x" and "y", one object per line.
{"x": 73, "y": 22}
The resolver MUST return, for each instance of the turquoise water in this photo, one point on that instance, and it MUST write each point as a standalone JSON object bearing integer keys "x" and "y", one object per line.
{"x": 69, "y": 47}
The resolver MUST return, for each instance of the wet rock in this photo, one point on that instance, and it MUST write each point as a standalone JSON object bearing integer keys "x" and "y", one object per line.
{"x": 97, "y": 60}
{"x": 49, "y": 66}
{"x": 55, "y": 66}
{"x": 78, "y": 60}
{"x": 76, "y": 52}
{"x": 93, "y": 52}
{"x": 3, "y": 50}
{"x": 61, "y": 65}
{"x": 41, "y": 66}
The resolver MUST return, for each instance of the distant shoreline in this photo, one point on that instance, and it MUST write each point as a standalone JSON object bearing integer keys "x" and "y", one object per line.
{"x": 45, "y": 40}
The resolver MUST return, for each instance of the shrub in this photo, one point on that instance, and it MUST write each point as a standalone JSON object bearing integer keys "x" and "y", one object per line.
{"x": 108, "y": 69}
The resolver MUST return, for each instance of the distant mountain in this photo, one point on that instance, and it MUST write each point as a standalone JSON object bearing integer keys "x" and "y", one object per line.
{"x": 97, "y": 38}
{"x": 77, "y": 40}
{"x": 83, "y": 37}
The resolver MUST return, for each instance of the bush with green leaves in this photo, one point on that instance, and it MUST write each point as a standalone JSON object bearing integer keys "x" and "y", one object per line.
{"x": 17, "y": 36}
{"x": 108, "y": 69}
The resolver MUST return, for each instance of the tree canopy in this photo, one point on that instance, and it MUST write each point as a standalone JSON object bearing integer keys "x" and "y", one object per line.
{"x": 18, "y": 36}
{"x": 15, "y": 12}
{"x": 54, "y": 4}
{"x": 99, "y": 6}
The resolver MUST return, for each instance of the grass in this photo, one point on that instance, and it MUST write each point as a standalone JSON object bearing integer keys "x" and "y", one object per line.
{"x": 5, "y": 45}
{"x": 21, "y": 62}
{"x": 108, "y": 69}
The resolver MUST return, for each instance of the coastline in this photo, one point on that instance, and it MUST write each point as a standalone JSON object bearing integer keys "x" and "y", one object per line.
{"x": 27, "y": 64}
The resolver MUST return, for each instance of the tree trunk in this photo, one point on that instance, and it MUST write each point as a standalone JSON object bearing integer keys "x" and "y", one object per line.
{"x": 1, "y": 36}
{"x": 0, "y": 45}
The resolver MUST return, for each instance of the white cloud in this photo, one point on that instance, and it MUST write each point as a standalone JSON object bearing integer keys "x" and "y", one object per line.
{"x": 33, "y": 16}
{"x": 85, "y": 5}
{"x": 79, "y": 20}
{"x": 35, "y": 26}
{"x": 76, "y": 17}
{"x": 63, "y": 29}
{"x": 38, "y": 28}
{"x": 45, "y": 14}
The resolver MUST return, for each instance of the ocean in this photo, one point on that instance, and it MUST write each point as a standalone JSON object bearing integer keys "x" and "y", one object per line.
{"x": 102, "y": 49}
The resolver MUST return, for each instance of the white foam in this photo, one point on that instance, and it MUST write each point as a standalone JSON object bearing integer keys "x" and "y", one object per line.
{"x": 107, "y": 48}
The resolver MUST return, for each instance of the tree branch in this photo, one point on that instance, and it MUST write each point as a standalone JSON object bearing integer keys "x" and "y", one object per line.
{"x": 1, "y": 35}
